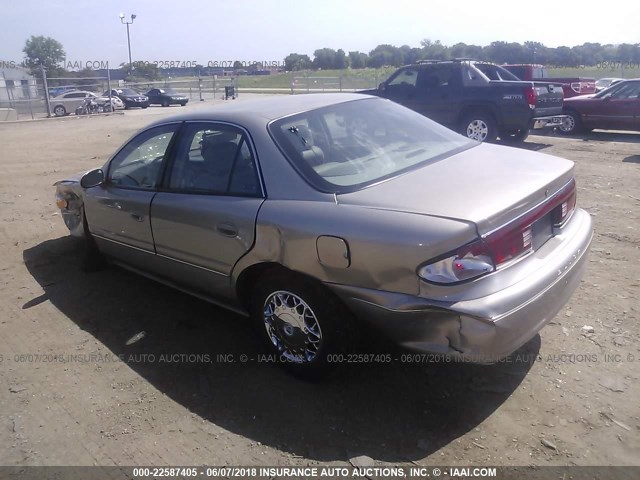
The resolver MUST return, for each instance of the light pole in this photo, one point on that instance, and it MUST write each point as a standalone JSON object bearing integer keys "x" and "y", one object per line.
{"x": 133, "y": 17}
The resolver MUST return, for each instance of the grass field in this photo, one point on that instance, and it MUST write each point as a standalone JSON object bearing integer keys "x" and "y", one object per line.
{"x": 597, "y": 72}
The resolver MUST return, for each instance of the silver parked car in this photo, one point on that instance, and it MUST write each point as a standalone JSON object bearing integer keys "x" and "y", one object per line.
{"x": 320, "y": 215}
{"x": 67, "y": 102}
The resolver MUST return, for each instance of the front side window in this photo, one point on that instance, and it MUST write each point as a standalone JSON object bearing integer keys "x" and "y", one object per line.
{"x": 348, "y": 146}
{"x": 214, "y": 159}
{"x": 138, "y": 164}
{"x": 406, "y": 77}
{"x": 628, "y": 91}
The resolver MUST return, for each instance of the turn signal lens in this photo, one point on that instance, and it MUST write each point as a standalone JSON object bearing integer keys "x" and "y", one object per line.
{"x": 62, "y": 203}
{"x": 467, "y": 263}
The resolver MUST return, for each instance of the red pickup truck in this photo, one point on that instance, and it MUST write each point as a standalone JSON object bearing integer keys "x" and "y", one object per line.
{"x": 571, "y": 86}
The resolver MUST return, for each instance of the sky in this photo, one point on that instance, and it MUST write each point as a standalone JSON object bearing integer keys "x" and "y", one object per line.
{"x": 252, "y": 30}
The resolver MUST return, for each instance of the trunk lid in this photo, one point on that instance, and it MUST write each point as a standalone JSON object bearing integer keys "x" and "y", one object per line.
{"x": 549, "y": 97}
{"x": 488, "y": 185}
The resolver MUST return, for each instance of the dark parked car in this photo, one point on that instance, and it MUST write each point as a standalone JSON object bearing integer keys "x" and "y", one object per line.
{"x": 479, "y": 99}
{"x": 307, "y": 211}
{"x": 616, "y": 108}
{"x": 129, "y": 97}
{"x": 166, "y": 97}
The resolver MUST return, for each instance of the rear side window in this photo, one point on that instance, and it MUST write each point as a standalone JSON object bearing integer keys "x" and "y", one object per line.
{"x": 214, "y": 159}
{"x": 494, "y": 72}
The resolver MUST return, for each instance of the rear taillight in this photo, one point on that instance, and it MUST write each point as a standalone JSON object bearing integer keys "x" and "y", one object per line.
{"x": 576, "y": 87}
{"x": 502, "y": 246}
{"x": 566, "y": 205}
{"x": 531, "y": 96}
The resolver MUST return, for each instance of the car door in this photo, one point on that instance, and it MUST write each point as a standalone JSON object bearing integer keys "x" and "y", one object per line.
{"x": 616, "y": 110}
{"x": 153, "y": 95}
{"x": 401, "y": 87}
{"x": 71, "y": 101}
{"x": 437, "y": 92}
{"x": 204, "y": 218}
{"x": 117, "y": 211}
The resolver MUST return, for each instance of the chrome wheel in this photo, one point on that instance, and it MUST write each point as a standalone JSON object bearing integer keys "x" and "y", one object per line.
{"x": 477, "y": 130}
{"x": 569, "y": 124}
{"x": 292, "y": 326}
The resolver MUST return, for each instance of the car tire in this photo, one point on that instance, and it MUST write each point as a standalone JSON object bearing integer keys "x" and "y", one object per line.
{"x": 182, "y": 104}
{"x": 59, "y": 111}
{"x": 479, "y": 126}
{"x": 515, "y": 137}
{"x": 312, "y": 324}
{"x": 147, "y": 106}
{"x": 165, "y": 103}
{"x": 572, "y": 124}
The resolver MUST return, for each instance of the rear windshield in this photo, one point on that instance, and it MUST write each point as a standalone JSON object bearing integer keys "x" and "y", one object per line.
{"x": 348, "y": 146}
{"x": 494, "y": 72}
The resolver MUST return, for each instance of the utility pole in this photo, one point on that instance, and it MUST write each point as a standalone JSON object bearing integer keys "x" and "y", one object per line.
{"x": 122, "y": 20}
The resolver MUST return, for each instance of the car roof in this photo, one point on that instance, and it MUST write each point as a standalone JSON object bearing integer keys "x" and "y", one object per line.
{"x": 67, "y": 92}
{"x": 270, "y": 108}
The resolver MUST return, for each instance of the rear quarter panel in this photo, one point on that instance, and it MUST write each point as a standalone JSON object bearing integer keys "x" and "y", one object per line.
{"x": 385, "y": 247}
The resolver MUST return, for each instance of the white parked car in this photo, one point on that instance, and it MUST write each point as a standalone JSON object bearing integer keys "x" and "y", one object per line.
{"x": 67, "y": 102}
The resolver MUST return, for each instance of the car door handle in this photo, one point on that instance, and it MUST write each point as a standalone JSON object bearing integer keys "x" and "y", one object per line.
{"x": 227, "y": 229}
{"x": 136, "y": 217}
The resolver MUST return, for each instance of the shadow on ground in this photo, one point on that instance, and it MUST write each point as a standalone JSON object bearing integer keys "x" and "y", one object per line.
{"x": 632, "y": 159}
{"x": 531, "y": 145}
{"x": 596, "y": 135}
{"x": 391, "y": 412}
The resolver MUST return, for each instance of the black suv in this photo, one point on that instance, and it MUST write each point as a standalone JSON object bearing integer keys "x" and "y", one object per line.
{"x": 478, "y": 99}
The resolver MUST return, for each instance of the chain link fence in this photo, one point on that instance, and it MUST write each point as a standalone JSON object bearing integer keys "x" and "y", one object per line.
{"x": 313, "y": 84}
{"x": 42, "y": 96}
{"x": 195, "y": 88}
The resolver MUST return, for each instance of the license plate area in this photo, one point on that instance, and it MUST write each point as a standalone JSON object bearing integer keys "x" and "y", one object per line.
{"x": 541, "y": 231}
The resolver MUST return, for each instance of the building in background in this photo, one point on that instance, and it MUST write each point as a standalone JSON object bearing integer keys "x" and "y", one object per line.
{"x": 16, "y": 83}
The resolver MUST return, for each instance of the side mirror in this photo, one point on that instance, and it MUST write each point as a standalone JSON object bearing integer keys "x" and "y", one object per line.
{"x": 92, "y": 178}
{"x": 382, "y": 87}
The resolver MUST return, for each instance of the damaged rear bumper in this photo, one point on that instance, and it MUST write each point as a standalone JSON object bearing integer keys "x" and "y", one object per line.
{"x": 485, "y": 329}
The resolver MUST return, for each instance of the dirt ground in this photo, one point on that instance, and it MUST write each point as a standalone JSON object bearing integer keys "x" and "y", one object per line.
{"x": 77, "y": 389}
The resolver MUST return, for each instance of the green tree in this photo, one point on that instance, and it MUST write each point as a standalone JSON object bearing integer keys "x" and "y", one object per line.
{"x": 146, "y": 70}
{"x": 340, "y": 60}
{"x": 434, "y": 50}
{"x": 324, "y": 58}
{"x": 44, "y": 52}
{"x": 295, "y": 61}
{"x": 385, "y": 55}
{"x": 358, "y": 59}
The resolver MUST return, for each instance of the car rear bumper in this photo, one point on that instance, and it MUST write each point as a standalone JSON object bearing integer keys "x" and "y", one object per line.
{"x": 133, "y": 103}
{"x": 485, "y": 329}
{"x": 551, "y": 121}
